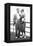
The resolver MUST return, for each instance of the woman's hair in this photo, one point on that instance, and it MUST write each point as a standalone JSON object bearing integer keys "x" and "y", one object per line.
{"x": 22, "y": 10}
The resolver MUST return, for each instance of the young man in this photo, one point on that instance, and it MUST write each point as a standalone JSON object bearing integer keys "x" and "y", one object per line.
{"x": 16, "y": 23}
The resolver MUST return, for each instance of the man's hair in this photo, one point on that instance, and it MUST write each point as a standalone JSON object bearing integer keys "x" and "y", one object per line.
{"x": 17, "y": 9}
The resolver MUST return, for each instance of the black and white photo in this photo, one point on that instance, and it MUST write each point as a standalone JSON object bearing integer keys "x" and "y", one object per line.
{"x": 19, "y": 22}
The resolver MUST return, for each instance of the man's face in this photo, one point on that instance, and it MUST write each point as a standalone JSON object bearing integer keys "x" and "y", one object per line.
{"x": 17, "y": 10}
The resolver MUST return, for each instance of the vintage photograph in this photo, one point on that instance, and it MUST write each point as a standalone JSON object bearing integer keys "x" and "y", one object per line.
{"x": 19, "y": 23}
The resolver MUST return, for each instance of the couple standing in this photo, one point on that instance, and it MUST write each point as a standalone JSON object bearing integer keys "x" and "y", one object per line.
{"x": 19, "y": 23}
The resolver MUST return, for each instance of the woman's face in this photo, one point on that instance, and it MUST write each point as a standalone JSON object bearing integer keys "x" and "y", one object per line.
{"x": 20, "y": 12}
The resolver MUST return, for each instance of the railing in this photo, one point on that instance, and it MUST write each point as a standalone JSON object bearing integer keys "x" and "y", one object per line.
{"x": 11, "y": 24}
